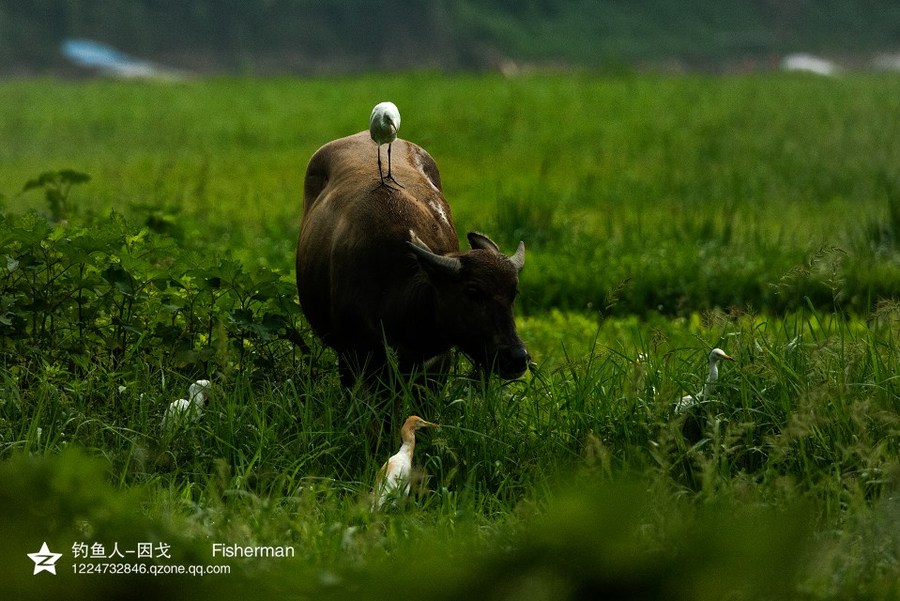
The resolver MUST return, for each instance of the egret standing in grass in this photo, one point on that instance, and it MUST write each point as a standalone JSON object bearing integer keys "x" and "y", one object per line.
{"x": 383, "y": 126}
{"x": 688, "y": 401}
{"x": 393, "y": 477}
{"x": 191, "y": 408}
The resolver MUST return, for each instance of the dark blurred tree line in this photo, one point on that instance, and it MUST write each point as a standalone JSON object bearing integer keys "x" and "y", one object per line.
{"x": 235, "y": 34}
{"x": 348, "y": 35}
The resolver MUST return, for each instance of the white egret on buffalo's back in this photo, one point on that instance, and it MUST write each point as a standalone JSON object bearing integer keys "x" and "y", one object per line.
{"x": 393, "y": 477}
{"x": 383, "y": 126}
{"x": 688, "y": 401}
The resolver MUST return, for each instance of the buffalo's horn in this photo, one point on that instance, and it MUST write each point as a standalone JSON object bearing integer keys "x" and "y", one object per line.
{"x": 450, "y": 265}
{"x": 477, "y": 240}
{"x": 418, "y": 241}
{"x": 518, "y": 259}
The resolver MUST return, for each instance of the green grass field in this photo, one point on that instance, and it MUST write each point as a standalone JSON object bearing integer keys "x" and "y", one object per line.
{"x": 663, "y": 216}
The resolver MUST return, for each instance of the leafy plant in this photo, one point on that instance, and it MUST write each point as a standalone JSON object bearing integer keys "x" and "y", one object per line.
{"x": 57, "y": 185}
{"x": 107, "y": 294}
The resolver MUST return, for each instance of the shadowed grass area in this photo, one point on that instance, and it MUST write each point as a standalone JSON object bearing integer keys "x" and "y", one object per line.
{"x": 795, "y": 457}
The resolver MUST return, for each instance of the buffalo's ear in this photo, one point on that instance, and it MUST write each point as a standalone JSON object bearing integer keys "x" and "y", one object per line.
{"x": 433, "y": 262}
{"x": 477, "y": 240}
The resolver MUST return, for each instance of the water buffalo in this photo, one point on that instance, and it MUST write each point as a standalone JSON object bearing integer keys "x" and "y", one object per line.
{"x": 381, "y": 264}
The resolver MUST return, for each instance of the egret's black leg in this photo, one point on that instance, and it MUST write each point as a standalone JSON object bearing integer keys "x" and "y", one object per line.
{"x": 389, "y": 176}
{"x": 389, "y": 162}
{"x": 380, "y": 172}
{"x": 385, "y": 178}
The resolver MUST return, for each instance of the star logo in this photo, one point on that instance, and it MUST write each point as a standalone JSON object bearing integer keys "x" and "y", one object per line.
{"x": 45, "y": 559}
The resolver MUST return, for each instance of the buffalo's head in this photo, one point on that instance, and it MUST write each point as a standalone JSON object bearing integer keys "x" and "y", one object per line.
{"x": 475, "y": 292}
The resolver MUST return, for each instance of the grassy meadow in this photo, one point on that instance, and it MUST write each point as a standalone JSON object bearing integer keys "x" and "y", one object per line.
{"x": 663, "y": 216}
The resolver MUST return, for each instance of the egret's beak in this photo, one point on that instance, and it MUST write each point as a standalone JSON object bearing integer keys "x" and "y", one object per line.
{"x": 728, "y": 358}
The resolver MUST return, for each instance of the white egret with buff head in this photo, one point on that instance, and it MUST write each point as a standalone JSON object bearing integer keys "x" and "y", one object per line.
{"x": 393, "y": 477}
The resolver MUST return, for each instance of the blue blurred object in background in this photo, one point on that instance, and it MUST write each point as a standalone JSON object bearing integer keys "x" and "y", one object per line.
{"x": 108, "y": 60}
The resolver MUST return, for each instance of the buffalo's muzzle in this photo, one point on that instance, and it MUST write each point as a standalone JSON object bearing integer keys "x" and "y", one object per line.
{"x": 511, "y": 362}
